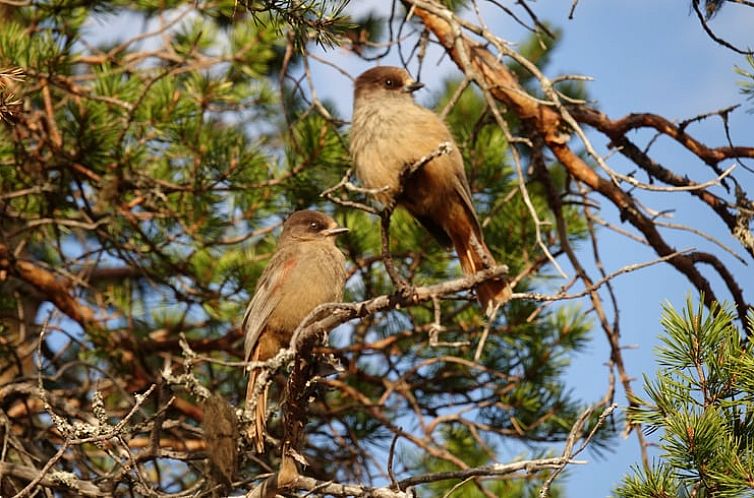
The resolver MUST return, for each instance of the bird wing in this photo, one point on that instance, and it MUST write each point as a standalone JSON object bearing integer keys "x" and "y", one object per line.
{"x": 464, "y": 190}
{"x": 453, "y": 162}
{"x": 266, "y": 298}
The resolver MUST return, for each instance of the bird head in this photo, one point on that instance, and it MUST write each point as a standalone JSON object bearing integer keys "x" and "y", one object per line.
{"x": 385, "y": 82}
{"x": 310, "y": 225}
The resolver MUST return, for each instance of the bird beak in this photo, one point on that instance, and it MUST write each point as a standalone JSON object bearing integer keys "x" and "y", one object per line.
{"x": 412, "y": 86}
{"x": 331, "y": 232}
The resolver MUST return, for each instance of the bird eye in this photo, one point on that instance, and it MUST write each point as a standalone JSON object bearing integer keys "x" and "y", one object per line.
{"x": 389, "y": 83}
{"x": 315, "y": 226}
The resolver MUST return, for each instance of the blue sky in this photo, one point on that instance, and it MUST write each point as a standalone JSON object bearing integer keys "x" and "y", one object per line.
{"x": 644, "y": 56}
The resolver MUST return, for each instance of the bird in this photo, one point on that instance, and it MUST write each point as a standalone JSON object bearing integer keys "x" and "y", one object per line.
{"x": 389, "y": 133}
{"x": 306, "y": 270}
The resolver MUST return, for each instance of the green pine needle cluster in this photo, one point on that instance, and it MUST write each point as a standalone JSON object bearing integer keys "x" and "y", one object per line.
{"x": 699, "y": 406}
{"x": 747, "y": 85}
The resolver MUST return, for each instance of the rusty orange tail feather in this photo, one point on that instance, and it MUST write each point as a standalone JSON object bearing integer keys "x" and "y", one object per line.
{"x": 492, "y": 294}
{"x": 474, "y": 256}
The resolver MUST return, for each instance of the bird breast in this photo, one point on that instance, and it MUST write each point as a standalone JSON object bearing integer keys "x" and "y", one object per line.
{"x": 387, "y": 136}
{"x": 318, "y": 279}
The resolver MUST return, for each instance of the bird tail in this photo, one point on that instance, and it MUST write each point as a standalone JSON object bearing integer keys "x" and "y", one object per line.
{"x": 257, "y": 428}
{"x": 475, "y": 256}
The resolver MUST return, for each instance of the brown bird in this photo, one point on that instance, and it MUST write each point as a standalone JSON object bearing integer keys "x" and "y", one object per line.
{"x": 306, "y": 270}
{"x": 391, "y": 132}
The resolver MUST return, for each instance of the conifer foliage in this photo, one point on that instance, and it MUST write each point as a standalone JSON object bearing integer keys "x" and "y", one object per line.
{"x": 150, "y": 151}
{"x": 699, "y": 408}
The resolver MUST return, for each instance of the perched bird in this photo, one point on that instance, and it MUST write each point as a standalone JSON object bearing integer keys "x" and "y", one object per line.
{"x": 306, "y": 270}
{"x": 391, "y": 132}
